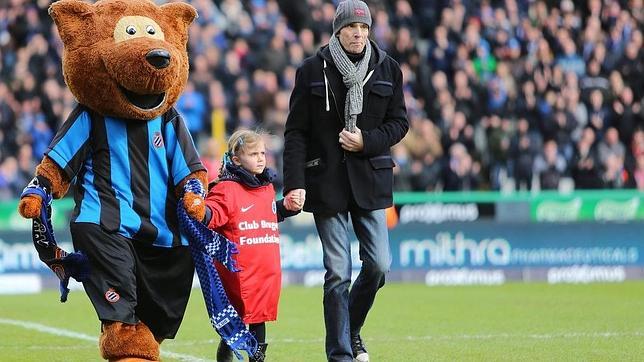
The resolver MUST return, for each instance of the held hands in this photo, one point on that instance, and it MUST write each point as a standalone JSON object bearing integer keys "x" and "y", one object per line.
{"x": 351, "y": 141}
{"x": 294, "y": 199}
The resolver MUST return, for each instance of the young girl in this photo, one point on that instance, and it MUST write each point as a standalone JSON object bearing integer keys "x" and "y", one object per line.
{"x": 241, "y": 206}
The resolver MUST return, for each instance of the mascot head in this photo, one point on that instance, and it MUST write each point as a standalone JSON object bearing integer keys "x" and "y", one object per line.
{"x": 124, "y": 58}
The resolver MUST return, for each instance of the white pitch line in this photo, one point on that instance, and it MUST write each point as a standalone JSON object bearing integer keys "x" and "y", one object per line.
{"x": 85, "y": 337}
{"x": 529, "y": 336}
{"x": 46, "y": 329}
{"x": 70, "y": 334}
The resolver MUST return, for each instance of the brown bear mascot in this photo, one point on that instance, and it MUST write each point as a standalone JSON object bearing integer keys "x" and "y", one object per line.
{"x": 128, "y": 154}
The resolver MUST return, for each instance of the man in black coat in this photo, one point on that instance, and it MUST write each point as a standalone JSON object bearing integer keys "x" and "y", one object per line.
{"x": 346, "y": 111}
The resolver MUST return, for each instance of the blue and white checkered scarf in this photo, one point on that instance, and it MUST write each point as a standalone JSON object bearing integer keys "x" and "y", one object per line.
{"x": 207, "y": 246}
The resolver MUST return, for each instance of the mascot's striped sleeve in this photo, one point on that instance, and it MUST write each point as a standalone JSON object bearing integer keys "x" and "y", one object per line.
{"x": 113, "y": 161}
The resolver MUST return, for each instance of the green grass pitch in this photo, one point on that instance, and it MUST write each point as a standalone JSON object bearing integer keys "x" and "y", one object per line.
{"x": 409, "y": 322}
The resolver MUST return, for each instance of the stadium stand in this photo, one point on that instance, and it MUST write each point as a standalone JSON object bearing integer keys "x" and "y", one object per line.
{"x": 501, "y": 95}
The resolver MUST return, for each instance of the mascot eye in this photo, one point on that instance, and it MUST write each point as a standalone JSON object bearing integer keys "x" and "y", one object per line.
{"x": 150, "y": 29}
{"x": 130, "y": 30}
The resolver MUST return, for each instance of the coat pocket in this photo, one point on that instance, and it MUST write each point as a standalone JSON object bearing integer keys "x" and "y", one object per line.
{"x": 383, "y": 88}
{"x": 379, "y": 96}
{"x": 382, "y": 178}
{"x": 382, "y": 162}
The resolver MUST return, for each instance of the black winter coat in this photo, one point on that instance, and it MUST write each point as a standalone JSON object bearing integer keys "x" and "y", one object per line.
{"x": 336, "y": 180}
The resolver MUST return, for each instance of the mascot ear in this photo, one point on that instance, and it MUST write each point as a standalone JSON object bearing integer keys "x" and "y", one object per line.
{"x": 75, "y": 22}
{"x": 180, "y": 12}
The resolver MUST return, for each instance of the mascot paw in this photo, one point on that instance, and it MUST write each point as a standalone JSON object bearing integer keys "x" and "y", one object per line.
{"x": 29, "y": 206}
{"x": 195, "y": 206}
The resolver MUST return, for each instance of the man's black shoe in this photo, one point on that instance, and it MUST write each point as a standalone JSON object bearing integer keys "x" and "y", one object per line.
{"x": 359, "y": 350}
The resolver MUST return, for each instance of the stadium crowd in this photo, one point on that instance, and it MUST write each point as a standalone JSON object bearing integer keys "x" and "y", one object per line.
{"x": 505, "y": 94}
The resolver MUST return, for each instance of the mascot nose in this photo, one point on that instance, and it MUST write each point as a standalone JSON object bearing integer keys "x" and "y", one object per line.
{"x": 159, "y": 58}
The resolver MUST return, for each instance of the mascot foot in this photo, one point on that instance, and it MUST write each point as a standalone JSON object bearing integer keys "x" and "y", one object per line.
{"x": 128, "y": 342}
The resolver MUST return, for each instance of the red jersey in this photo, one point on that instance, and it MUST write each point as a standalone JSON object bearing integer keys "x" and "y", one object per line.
{"x": 248, "y": 217}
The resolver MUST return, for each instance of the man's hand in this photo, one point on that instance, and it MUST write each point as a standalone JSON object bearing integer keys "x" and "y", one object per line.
{"x": 351, "y": 141}
{"x": 294, "y": 199}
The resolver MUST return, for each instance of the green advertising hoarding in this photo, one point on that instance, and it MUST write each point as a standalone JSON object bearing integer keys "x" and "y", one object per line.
{"x": 616, "y": 206}
{"x": 544, "y": 206}
{"x": 549, "y": 206}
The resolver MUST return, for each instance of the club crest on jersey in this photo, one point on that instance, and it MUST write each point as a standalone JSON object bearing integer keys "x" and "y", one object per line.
{"x": 274, "y": 207}
{"x": 112, "y": 296}
{"x": 157, "y": 140}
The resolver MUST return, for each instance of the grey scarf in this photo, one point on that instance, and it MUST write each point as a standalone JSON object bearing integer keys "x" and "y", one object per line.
{"x": 352, "y": 76}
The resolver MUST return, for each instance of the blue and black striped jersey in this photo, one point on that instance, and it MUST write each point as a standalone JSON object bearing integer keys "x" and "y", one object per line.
{"x": 125, "y": 172}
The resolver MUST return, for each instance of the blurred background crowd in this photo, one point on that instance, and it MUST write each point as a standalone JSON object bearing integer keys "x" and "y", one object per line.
{"x": 501, "y": 95}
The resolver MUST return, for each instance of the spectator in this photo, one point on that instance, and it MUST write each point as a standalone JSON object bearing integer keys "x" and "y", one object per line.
{"x": 626, "y": 115}
{"x": 585, "y": 165}
{"x": 404, "y": 49}
{"x": 506, "y": 47}
{"x": 484, "y": 63}
{"x": 424, "y": 146}
{"x": 467, "y": 100}
{"x": 403, "y": 15}
{"x": 636, "y": 179}
{"x": 441, "y": 51}
{"x": 636, "y": 147}
{"x": 631, "y": 67}
{"x": 192, "y": 107}
{"x": 570, "y": 61}
{"x": 462, "y": 173}
{"x": 275, "y": 57}
{"x": 9, "y": 186}
{"x": 26, "y": 165}
{"x": 549, "y": 166}
{"x": 577, "y": 110}
{"x": 598, "y": 113}
{"x": 458, "y": 131}
{"x": 594, "y": 80}
{"x": 210, "y": 156}
{"x": 614, "y": 176}
{"x": 526, "y": 105}
{"x": 497, "y": 97}
{"x": 402, "y": 170}
{"x": 524, "y": 146}
{"x": 499, "y": 134}
{"x": 610, "y": 145}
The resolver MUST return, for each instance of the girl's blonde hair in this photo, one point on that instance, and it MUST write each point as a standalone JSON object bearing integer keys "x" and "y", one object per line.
{"x": 237, "y": 143}
{"x": 241, "y": 139}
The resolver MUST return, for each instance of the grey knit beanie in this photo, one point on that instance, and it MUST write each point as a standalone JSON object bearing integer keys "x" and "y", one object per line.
{"x": 351, "y": 11}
